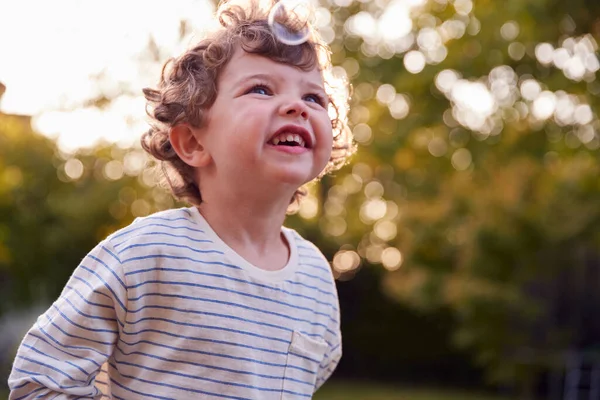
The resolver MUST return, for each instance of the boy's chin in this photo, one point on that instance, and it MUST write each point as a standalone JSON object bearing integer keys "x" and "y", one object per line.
{"x": 297, "y": 174}
{"x": 295, "y": 180}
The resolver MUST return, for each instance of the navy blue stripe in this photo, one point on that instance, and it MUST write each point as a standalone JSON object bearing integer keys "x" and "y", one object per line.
{"x": 309, "y": 255}
{"x": 228, "y": 303}
{"x": 33, "y": 378}
{"x": 108, "y": 268}
{"x": 185, "y": 210}
{"x": 81, "y": 326}
{"x": 71, "y": 347}
{"x": 135, "y": 391}
{"x": 194, "y": 351}
{"x": 328, "y": 282}
{"x": 330, "y": 365}
{"x": 312, "y": 255}
{"x": 305, "y": 357}
{"x": 160, "y": 234}
{"x": 235, "y": 371}
{"x": 155, "y": 217}
{"x": 319, "y": 336}
{"x": 30, "y": 393}
{"x": 180, "y": 246}
{"x": 90, "y": 286}
{"x": 161, "y": 225}
{"x": 77, "y": 337}
{"x": 220, "y": 328}
{"x": 56, "y": 359}
{"x": 231, "y": 291}
{"x": 323, "y": 266}
{"x": 87, "y": 315}
{"x": 300, "y": 240}
{"x": 223, "y": 342}
{"x": 233, "y": 304}
{"x": 39, "y": 396}
{"x": 201, "y": 378}
{"x": 226, "y": 316}
{"x": 112, "y": 254}
{"x": 325, "y": 271}
{"x": 33, "y": 361}
{"x": 21, "y": 385}
{"x": 116, "y": 297}
{"x": 175, "y": 258}
{"x": 173, "y": 387}
{"x": 310, "y": 249}
{"x": 311, "y": 287}
{"x": 199, "y": 339}
{"x": 91, "y": 303}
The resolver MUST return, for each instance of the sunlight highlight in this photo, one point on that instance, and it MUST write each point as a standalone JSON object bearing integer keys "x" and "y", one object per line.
{"x": 58, "y": 56}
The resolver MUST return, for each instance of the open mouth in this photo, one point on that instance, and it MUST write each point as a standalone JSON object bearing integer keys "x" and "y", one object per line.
{"x": 288, "y": 139}
{"x": 292, "y": 136}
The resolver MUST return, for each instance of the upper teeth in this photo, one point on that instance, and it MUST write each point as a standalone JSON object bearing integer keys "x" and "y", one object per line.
{"x": 288, "y": 137}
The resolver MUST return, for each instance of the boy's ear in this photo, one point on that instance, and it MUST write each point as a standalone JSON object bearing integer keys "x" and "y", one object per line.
{"x": 188, "y": 148}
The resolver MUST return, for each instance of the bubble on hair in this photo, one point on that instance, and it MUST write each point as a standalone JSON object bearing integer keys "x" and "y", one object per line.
{"x": 291, "y": 20}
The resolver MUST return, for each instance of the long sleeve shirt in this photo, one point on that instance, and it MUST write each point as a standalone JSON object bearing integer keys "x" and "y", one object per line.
{"x": 169, "y": 311}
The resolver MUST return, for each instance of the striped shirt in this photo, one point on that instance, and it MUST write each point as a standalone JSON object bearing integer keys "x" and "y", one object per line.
{"x": 168, "y": 311}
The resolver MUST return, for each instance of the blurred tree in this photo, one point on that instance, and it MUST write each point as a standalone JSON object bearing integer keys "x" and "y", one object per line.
{"x": 54, "y": 208}
{"x": 476, "y": 184}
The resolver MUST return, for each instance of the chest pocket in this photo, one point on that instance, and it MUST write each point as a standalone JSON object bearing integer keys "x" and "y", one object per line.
{"x": 305, "y": 354}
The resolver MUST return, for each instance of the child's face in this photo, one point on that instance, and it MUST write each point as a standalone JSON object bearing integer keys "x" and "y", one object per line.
{"x": 269, "y": 124}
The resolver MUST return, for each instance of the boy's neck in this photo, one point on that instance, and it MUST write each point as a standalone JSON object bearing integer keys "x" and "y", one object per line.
{"x": 251, "y": 229}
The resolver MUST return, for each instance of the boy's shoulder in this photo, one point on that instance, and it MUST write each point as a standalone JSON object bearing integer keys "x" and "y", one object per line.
{"x": 310, "y": 255}
{"x": 305, "y": 247}
{"x": 168, "y": 226}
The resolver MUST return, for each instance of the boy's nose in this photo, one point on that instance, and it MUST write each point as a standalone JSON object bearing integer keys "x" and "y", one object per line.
{"x": 294, "y": 108}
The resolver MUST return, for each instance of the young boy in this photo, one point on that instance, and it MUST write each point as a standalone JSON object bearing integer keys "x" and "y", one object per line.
{"x": 216, "y": 300}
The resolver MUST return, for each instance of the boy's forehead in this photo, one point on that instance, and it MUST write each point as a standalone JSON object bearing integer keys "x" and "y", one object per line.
{"x": 244, "y": 65}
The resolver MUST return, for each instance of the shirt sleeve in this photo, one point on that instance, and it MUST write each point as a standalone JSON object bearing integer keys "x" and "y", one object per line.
{"x": 332, "y": 359}
{"x": 62, "y": 353}
{"x": 327, "y": 368}
{"x": 334, "y": 353}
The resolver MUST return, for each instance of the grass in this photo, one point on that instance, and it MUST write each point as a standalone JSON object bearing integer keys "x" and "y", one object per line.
{"x": 354, "y": 391}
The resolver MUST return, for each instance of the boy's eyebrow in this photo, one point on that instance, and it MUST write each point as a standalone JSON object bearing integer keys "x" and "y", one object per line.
{"x": 264, "y": 77}
{"x": 270, "y": 78}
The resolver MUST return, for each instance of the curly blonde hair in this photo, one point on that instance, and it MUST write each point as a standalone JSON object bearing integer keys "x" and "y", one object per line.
{"x": 188, "y": 88}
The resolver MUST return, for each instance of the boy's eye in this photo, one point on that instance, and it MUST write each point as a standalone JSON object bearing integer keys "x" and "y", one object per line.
{"x": 260, "y": 89}
{"x": 315, "y": 98}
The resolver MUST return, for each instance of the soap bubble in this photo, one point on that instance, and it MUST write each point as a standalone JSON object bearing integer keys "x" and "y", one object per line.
{"x": 290, "y": 21}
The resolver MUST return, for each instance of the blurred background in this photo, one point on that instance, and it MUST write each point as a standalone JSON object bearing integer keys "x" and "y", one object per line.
{"x": 464, "y": 235}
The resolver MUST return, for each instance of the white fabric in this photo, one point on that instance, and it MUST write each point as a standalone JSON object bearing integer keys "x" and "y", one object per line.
{"x": 173, "y": 313}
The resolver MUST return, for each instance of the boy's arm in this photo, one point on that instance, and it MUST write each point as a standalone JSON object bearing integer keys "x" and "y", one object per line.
{"x": 334, "y": 353}
{"x": 327, "y": 367}
{"x": 62, "y": 353}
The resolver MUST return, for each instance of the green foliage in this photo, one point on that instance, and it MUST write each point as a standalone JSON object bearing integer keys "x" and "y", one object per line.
{"x": 48, "y": 220}
{"x": 491, "y": 205}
